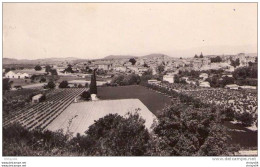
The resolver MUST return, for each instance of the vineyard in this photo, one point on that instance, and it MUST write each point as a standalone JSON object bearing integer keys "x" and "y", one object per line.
{"x": 40, "y": 115}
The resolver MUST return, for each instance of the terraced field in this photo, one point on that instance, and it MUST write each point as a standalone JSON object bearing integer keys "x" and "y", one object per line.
{"x": 40, "y": 115}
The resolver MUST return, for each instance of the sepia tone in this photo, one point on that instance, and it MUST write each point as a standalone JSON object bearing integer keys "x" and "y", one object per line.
{"x": 130, "y": 79}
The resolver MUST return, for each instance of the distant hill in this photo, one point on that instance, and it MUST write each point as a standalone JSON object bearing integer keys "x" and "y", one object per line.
{"x": 119, "y": 57}
{"x": 156, "y": 56}
{"x": 41, "y": 61}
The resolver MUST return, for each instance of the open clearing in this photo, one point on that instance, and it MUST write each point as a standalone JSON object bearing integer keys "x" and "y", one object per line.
{"x": 83, "y": 114}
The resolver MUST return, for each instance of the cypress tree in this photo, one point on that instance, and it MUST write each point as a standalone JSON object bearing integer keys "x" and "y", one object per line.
{"x": 93, "y": 84}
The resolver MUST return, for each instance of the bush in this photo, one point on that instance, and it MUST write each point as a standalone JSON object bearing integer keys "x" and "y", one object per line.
{"x": 245, "y": 118}
{"x": 185, "y": 131}
{"x": 50, "y": 85}
{"x": 64, "y": 84}
{"x": 43, "y": 98}
{"x": 123, "y": 80}
{"x": 86, "y": 95}
{"x": 117, "y": 136}
{"x": 38, "y": 68}
{"x": 80, "y": 86}
{"x": 43, "y": 79}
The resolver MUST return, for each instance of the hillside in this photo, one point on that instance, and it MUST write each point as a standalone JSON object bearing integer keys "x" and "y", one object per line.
{"x": 153, "y": 56}
{"x": 41, "y": 61}
{"x": 119, "y": 57}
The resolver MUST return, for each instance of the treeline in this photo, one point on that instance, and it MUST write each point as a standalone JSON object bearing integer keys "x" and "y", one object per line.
{"x": 123, "y": 80}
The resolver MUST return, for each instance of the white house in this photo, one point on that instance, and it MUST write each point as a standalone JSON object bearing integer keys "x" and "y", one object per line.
{"x": 18, "y": 75}
{"x": 205, "y": 84}
{"x": 168, "y": 78}
{"x": 36, "y": 98}
{"x": 153, "y": 81}
{"x": 232, "y": 86}
{"x": 204, "y": 76}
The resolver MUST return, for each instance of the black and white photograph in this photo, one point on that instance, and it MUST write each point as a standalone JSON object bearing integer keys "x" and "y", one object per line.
{"x": 129, "y": 79}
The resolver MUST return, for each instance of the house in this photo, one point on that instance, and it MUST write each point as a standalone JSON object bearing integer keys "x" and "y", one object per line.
{"x": 104, "y": 66}
{"x": 18, "y": 75}
{"x": 204, "y": 84}
{"x": 36, "y": 98}
{"x": 204, "y": 76}
{"x": 18, "y": 87}
{"x": 168, "y": 78}
{"x": 232, "y": 86}
{"x": 248, "y": 87}
{"x": 153, "y": 81}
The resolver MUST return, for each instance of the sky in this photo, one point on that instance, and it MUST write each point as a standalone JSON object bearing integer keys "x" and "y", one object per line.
{"x": 96, "y": 30}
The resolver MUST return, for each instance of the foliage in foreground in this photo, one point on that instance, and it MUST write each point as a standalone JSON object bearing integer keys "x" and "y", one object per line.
{"x": 180, "y": 131}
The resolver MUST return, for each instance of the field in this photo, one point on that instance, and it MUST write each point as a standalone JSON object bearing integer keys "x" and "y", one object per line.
{"x": 40, "y": 115}
{"x": 151, "y": 99}
{"x": 82, "y": 115}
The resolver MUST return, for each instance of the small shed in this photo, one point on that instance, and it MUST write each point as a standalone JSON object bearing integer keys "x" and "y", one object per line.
{"x": 36, "y": 98}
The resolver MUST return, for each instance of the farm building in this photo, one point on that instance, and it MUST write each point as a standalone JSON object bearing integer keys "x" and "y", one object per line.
{"x": 232, "y": 86}
{"x": 84, "y": 114}
{"x": 205, "y": 84}
{"x": 36, "y": 98}
{"x": 18, "y": 75}
{"x": 204, "y": 76}
{"x": 76, "y": 83}
{"x": 153, "y": 81}
{"x": 168, "y": 78}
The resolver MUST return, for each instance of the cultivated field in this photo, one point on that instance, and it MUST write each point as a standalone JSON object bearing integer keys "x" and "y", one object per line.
{"x": 152, "y": 100}
{"x": 40, "y": 115}
{"x": 79, "y": 116}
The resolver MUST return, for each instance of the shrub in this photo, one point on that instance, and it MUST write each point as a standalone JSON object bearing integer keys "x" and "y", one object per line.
{"x": 64, "y": 84}
{"x": 245, "y": 118}
{"x": 50, "y": 85}
{"x": 86, "y": 95}
{"x": 38, "y": 68}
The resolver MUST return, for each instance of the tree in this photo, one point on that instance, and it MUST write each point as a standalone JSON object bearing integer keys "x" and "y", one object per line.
{"x": 7, "y": 70}
{"x": 69, "y": 69}
{"x": 201, "y": 55}
{"x": 38, "y": 68}
{"x": 51, "y": 85}
{"x": 6, "y": 84}
{"x": 145, "y": 65}
{"x": 53, "y": 72}
{"x": 235, "y": 63}
{"x": 186, "y": 131}
{"x": 48, "y": 68}
{"x": 42, "y": 98}
{"x": 93, "y": 83}
{"x": 43, "y": 79}
{"x": 132, "y": 60}
{"x": 86, "y": 95}
{"x": 216, "y": 59}
{"x": 123, "y": 80}
{"x": 245, "y": 118}
{"x": 160, "y": 68}
{"x": 196, "y": 56}
{"x": 86, "y": 84}
{"x": 80, "y": 86}
{"x": 64, "y": 84}
{"x": 107, "y": 136}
